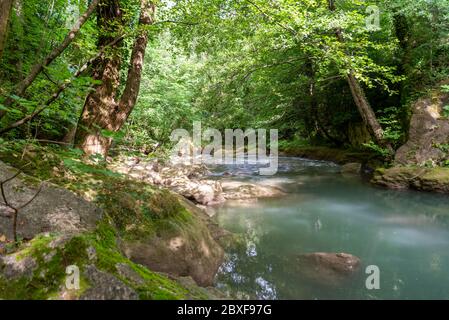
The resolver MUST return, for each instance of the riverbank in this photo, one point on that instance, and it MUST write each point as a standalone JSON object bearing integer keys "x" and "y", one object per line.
{"x": 127, "y": 239}
{"x": 339, "y": 156}
{"x": 377, "y": 171}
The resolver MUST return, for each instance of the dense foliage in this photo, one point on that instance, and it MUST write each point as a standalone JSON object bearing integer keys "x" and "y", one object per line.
{"x": 231, "y": 64}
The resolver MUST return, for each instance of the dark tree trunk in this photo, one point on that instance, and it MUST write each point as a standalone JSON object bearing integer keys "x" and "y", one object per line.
{"x": 102, "y": 111}
{"x": 5, "y": 13}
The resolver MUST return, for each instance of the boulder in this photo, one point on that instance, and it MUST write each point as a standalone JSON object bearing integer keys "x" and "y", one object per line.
{"x": 53, "y": 210}
{"x": 428, "y": 133}
{"x": 418, "y": 178}
{"x": 184, "y": 247}
{"x": 352, "y": 168}
{"x": 38, "y": 270}
{"x": 329, "y": 269}
{"x": 234, "y": 190}
{"x": 105, "y": 286}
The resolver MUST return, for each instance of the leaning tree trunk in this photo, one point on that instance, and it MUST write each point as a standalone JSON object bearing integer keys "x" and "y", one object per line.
{"x": 5, "y": 13}
{"x": 56, "y": 52}
{"x": 362, "y": 103}
{"x": 101, "y": 110}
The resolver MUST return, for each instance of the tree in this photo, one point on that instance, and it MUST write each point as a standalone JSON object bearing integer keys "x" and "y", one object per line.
{"x": 5, "y": 13}
{"x": 102, "y": 110}
{"x": 365, "y": 110}
{"x": 56, "y": 52}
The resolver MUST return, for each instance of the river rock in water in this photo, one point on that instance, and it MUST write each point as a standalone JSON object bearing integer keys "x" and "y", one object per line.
{"x": 328, "y": 268}
{"x": 351, "y": 168}
{"x": 234, "y": 190}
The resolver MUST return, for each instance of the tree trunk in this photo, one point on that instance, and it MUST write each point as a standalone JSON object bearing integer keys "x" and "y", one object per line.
{"x": 5, "y": 13}
{"x": 56, "y": 52}
{"x": 363, "y": 106}
{"x": 101, "y": 110}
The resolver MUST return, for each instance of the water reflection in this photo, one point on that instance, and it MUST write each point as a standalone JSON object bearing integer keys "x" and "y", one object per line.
{"x": 405, "y": 233}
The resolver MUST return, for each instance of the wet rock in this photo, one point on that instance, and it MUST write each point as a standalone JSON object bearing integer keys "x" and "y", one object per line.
{"x": 233, "y": 190}
{"x": 328, "y": 268}
{"x": 423, "y": 179}
{"x": 353, "y": 168}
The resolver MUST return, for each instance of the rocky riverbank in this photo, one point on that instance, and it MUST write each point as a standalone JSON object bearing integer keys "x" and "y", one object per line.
{"x": 192, "y": 181}
{"x": 422, "y": 162}
{"x": 127, "y": 239}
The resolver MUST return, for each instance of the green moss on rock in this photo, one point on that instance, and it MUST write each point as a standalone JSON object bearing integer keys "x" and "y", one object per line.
{"x": 51, "y": 254}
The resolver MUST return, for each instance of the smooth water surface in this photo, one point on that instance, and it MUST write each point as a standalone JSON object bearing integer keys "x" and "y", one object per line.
{"x": 404, "y": 233}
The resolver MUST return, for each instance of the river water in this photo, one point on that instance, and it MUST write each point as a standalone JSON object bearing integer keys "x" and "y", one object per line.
{"x": 404, "y": 233}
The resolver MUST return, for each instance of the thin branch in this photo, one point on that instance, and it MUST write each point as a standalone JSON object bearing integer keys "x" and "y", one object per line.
{"x": 177, "y": 22}
{"x": 287, "y": 28}
{"x": 61, "y": 88}
{"x": 34, "y": 197}
{"x": 56, "y": 52}
{"x": 49, "y": 78}
{"x": 2, "y": 187}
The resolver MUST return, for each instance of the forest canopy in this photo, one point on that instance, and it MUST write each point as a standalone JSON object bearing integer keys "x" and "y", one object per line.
{"x": 340, "y": 73}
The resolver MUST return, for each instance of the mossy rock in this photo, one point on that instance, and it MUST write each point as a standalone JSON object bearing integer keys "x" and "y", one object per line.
{"x": 37, "y": 270}
{"x": 413, "y": 177}
{"x": 154, "y": 227}
{"x": 340, "y": 156}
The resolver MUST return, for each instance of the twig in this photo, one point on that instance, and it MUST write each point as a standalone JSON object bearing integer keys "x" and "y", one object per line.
{"x": 13, "y": 208}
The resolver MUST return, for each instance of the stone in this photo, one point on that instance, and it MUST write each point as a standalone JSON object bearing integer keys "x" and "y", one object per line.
{"x": 14, "y": 267}
{"x": 329, "y": 269}
{"x": 418, "y": 178}
{"x": 428, "y": 130}
{"x": 54, "y": 210}
{"x": 187, "y": 248}
{"x": 235, "y": 190}
{"x": 105, "y": 286}
{"x": 352, "y": 168}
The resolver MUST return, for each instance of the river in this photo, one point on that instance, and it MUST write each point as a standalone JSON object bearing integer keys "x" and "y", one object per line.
{"x": 404, "y": 233}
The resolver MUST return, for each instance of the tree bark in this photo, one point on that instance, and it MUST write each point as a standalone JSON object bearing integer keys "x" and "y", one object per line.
{"x": 5, "y": 13}
{"x": 56, "y": 52}
{"x": 358, "y": 94}
{"x": 101, "y": 110}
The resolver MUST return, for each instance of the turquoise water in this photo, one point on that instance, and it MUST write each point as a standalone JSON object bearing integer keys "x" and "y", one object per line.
{"x": 404, "y": 233}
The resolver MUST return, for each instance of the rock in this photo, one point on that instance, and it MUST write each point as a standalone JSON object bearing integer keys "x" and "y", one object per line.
{"x": 429, "y": 130}
{"x": 423, "y": 179}
{"x": 128, "y": 273}
{"x": 204, "y": 192}
{"x": 184, "y": 179}
{"x": 234, "y": 190}
{"x": 330, "y": 269}
{"x": 106, "y": 287}
{"x": 188, "y": 251}
{"x": 351, "y": 168}
{"x": 53, "y": 210}
{"x": 14, "y": 267}
{"x": 38, "y": 271}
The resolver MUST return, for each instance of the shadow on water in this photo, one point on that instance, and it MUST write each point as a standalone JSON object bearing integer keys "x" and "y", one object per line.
{"x": 404, "y": 233}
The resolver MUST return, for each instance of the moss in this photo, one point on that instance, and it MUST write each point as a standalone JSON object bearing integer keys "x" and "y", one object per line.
{"x": 133, "y": 211}
{"x": 340, "y": 156}
{"x": 438, "y": 174}
{"x": 48, "y": 278}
